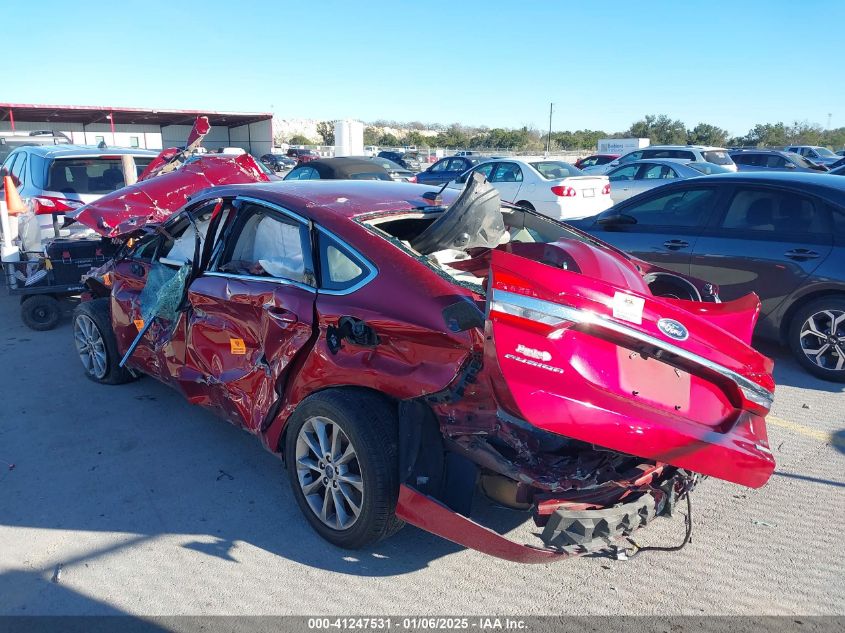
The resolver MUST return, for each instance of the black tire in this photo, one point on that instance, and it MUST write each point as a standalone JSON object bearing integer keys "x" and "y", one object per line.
{"x": 98, "y": 314}
{"x": 835, "y": 356}
{"x": 525, "y": 205}
{"x": 41, "y": 312}
{"x": 370, "y": 425}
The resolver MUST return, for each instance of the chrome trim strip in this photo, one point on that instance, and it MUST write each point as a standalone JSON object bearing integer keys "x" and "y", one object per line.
{"x": 502, "y": 299}
{"x": 275, "y": 207}
{"x": 272, "y": 280}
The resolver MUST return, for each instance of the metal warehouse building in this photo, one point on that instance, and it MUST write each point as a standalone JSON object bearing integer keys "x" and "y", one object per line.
{"x": 136, "y": 127}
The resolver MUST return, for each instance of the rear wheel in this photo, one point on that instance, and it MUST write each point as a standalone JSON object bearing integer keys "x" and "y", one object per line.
{"x": 96, "y": 344}
{"x": 525, "y": 205}
{"x": 41, "y": 312}
{"x": 817, "y": 337}
{"x": 341, "y": 453}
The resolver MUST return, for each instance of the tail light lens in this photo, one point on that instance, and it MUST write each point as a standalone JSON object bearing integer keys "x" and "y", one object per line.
{"x": 606, "y": 190}
{"x": 537, "y": 315}
{"x": 45, "y": 205}
{"x": 564, "y": 192}
{"x": 412, "y": 179}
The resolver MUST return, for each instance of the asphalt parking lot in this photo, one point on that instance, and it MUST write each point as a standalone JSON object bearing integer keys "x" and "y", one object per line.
{"x": 128, "y": 500}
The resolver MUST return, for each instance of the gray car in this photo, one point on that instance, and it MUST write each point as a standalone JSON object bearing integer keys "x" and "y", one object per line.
{"x": 814, "y": 153}
{"x": 60, "y": 178}
{"x": 772, "y": 159}
{"x": 632, "y": 178}
{"x": 780, "y": 235}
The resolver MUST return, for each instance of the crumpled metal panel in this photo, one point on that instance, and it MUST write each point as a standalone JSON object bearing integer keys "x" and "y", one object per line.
{"x": 242, "y": 337}
{"x": 155, "y": 199}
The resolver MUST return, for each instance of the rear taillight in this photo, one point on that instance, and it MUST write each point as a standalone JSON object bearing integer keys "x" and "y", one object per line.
{"x": 412, "y": 179}
{"x": 606, "y": 190}
{"x": 45, "y": 205}
{"x": 564, "y": 192}
{"x": 543, "y": 317}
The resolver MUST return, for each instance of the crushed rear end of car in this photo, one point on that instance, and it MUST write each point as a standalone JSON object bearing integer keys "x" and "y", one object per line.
{"x": 586, "y": 401}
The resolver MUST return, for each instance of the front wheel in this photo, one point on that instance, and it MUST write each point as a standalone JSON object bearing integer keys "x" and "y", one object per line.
{"x": 96, "y": 343}
{"x": 341, "y": 454}
{"x": 817, "y": 338}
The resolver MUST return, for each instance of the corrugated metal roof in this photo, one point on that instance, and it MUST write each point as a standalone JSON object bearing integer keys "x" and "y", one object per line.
{"x": 143, "y": 116}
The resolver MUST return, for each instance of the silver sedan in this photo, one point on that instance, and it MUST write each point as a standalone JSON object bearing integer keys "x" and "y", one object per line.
{"x": 632, "y": 178}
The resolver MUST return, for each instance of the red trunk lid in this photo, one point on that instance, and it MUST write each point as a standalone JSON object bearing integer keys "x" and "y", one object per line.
{"x": 614, "y": 366}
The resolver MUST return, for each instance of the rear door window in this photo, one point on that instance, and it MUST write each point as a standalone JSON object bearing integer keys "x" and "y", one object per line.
{"x": 774, "y": 212}
{"x": 717, "y": 157}
{"x": 681, "y": 208}
{"x": 268, "y": 244}
{"x": 775, "y": 160}
{"x": 655, "y": 172}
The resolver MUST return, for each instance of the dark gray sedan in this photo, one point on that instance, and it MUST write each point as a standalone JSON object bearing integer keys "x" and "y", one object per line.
{"x": 779, "y": 235}
{"x": 772, "y": 159}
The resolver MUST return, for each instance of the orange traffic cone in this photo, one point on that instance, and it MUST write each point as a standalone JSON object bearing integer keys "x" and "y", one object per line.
{"x": 14, "y": 204}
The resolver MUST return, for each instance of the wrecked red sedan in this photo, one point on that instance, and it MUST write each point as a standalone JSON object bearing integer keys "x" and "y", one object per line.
{"x": 400, "y": 349}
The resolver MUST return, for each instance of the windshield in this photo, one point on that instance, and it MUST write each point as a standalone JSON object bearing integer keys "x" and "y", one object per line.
{"x": 708, "y": 168}
{"x": 800, "y": 160}
{"x": 387, "y": 164}
{"x": 717, "y": 157}
{"x": 823, "y": 151}
{"x": 555, "y": 169}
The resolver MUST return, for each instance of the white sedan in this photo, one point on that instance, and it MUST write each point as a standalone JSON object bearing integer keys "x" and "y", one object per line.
{"x": 551, "y": 187}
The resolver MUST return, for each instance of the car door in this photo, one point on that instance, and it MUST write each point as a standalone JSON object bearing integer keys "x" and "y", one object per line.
{"x": 507, "y": 178}
{"x": 766, "y": 240}
{"x": 251, "y": 314}
{"x": 622, "y": 182}
{"x": 437, "y": 174}
{"x": 661, "y": 227}
{"x": 138, "y": 279}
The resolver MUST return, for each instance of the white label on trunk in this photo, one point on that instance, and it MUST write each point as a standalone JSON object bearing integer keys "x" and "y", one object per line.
{"x": 628, "y": 307}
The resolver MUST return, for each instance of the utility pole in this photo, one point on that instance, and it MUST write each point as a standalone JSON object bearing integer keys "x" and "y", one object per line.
{"x": 828, "y": 121}
{"x": 549, "y": 142}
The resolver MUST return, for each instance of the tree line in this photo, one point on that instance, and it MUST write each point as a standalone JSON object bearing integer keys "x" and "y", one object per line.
{"x": 660, "y": 129}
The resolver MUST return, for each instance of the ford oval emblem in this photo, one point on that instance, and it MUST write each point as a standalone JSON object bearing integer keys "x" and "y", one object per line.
{"x": 673, "y": 329}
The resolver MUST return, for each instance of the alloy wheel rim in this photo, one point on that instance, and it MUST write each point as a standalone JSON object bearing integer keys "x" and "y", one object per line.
{"x": 822, "y": 339}
{"x": 329, "y": 473}
{"x": 90, "y": 346}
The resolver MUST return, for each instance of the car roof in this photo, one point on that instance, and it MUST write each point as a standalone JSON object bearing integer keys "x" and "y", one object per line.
{"x": 818, "y": 183}
{"x": 760, "y": 150}
{"x": 68, "y": 150}
{"x": 698, "y": 147}
{"x": 327, "y": 199}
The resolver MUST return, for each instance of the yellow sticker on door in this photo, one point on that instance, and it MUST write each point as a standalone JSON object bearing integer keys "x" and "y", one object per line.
{"x": 237, "y": 346}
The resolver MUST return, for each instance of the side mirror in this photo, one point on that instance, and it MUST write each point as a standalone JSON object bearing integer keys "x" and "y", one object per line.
{"x": 790, "y": 165}
{"x": 616, "y": 219}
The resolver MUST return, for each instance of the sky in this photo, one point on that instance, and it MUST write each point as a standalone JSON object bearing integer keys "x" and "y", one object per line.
{"x": 494, "y": 63}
